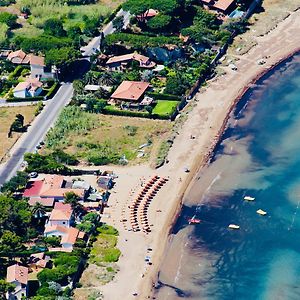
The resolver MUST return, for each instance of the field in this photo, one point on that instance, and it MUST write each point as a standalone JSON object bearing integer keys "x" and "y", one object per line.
{"x": 91, "y": 135}
{"x": 7, "y": 115}
{"x": 165, "y": 108}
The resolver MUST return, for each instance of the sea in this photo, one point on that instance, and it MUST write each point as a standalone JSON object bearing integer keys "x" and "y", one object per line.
{"x": 258, "y": 156}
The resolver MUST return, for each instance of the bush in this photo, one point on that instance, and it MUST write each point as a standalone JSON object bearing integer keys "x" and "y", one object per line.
{"x": 158, "y": 96}
{"x": 54, "y": 88}
{"x": 16, "y": 183}
{"x": 52, "y": 241}
{"x": 111, "y": 255}
{"x": 107, "y": 229}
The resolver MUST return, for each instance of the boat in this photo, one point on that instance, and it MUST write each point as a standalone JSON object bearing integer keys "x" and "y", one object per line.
{"x": 233, "y": 226}
{"x": 248, "y": 198}
{"x": 193, "y": 220}
{"x": 261, "y": 212}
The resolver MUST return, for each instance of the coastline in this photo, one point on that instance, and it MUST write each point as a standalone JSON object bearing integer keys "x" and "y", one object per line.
{"x": 207, "y": 121}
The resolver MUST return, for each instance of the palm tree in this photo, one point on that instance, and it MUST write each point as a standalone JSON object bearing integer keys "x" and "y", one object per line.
{"x": 107, "y": 79}
{"x": 72, "y": 198}
{"x": 38, "y": 210}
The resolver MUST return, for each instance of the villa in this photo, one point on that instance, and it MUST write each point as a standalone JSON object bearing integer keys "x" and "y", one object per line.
{"x": 32, "y": 87}
{"x": 17, "y": 275}
{"x": 61, "y": 215}
{"x": 121, "y": 61}
{"x": 130, "y": 91}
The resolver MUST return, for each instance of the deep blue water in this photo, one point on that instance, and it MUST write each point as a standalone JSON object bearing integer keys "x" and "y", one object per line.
{"x": 259, "y": 155}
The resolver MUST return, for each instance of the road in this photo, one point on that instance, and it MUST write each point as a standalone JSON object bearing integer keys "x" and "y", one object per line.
{"x": 36, "y": 132}
{"x": 94, "y": 44}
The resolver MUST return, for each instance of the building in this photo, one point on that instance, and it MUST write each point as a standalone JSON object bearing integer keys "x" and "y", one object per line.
{"x": 148, "y": 14}
{"x": 224, "y": 6}
{"x": 105, "y": 182}
{"x": 121, "y": 61}
{"x": 18, "y": 57}
{"x": 61, "y": 215}
{"x": 38, "y": 261}
{"x": 32, "y": 87}
{"x": 17, "y": 275}
{"x": 68, "y": 236}
{"x": 131, "y": 91}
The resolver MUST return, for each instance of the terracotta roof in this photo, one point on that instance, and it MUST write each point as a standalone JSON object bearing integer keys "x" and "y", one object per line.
{"x": 130, "y": 90}
{"x": 17, "y": 273}
{"x": 48, "y": 202}
{"x": 40, "y": 255}
{"x": 58, "y": 228}
{"x": 71, "y": 236}
{"x": 17, "y": 54}
{"x": 135, "y": 56}
{"x": 62, "y": 206}
{"x": 148, "y": 13}
{"x": 33, "y": 188}
{"x": 223, "y": 4}
{"x": 22, "y": 86}
{"x": 60, "y": 215}
{"x": 53, "y": 181}
{"x": 29, "y": 84}
{"x": 60, "y": 192}
{"x": 36, "y": 60}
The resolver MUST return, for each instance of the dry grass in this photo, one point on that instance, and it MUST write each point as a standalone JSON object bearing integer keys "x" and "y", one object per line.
{"x": 7, "y": 115}
{"x": 112, "y": 130}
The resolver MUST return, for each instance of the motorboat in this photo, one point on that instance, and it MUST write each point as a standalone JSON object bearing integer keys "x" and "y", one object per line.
{"x": 233, "y": 226}
{"x": 194, "y": 220}
{"x": 261, "y": 212}
{"x": 248, "y": 198}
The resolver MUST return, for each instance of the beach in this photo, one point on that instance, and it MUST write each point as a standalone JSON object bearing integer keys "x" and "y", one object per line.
{"x": 191, "y": 149}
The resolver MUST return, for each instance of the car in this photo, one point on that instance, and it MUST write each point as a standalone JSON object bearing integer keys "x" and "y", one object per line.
{"x": 42, "y": 143}
{"x": 33, "y": 175}
{"x": 38, "y": 147}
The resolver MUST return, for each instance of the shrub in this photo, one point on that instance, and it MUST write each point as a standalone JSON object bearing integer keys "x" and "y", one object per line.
{"x": 111, "y": 255}
{"x": 107, "y": 229}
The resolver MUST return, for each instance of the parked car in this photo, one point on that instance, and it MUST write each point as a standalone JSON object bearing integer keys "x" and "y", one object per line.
{"x": 33, "y": 175}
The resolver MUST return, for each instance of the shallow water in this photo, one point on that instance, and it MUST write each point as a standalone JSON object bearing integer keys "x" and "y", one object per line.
{"x": 259, "y": 155}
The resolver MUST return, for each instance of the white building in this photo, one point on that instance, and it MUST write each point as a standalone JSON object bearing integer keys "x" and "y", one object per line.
{"x": 17, "y": 275}
{"x": 32, "y": 87}
{"x": 61, "y": 216}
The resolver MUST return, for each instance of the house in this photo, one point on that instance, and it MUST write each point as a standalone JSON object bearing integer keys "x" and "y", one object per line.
{"x": 32, "y": 87}
{"x": 38, "y": 261}
{"x": 18, "y": 57}
{"x": 117, "y": 62}
{"x": 148, "y": 14}
{"x": 47, "y": 202}
{"x": 37, "y": 65}
{"x": 130, "y": 91}
{"x": 224, "y": 6}
{"x": 61, "y": 215}
{"x": 51, "y": 187}
{"x": 68, "y": 236}
{"x": 105, "y": 182}
{"x": 17, "y": 275}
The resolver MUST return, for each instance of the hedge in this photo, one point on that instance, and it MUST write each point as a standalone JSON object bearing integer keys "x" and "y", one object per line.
{"x": 112, "y": 15}
{"x": 37, "y": 98}
{"x": 158, "y": 96}
{"x": 16, "y": 72}
{"x": 52, "y": 91}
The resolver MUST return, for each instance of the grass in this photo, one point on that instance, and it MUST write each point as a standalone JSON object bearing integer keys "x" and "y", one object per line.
{"x": 3, "y": 32}
{"x": 118, "y": 135}
{"x": 164, "y": 107}
{"x": 7, "y": 115}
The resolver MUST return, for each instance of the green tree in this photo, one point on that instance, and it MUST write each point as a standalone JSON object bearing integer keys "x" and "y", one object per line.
{"x": 8, "y": 19}
{"x": 159, "y": 22}
{"x": 4, "y": 288}
{"x": 149, "y": 109}
{"x": 107, "y": 78}
{"x": 54, "y": 27}
{"x": 118, "y": 23}
{"x": 61, "y": 56}
{"x": 73, "y": 199}
{"x": 16, "y": 183}
{"x": 38, "y": 210}
{"x": 10, "y": 244}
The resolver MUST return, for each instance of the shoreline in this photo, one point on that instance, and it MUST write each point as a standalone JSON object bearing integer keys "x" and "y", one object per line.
{"x": 207, "y": 121}
{"x": 198, "y": 165}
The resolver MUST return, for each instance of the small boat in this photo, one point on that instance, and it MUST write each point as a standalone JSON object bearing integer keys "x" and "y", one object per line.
{"x": 248, "y": 198}
{"x": 193, "y": 220}
{"x": 233, "y": 226}
{"x": 261, "y": 212}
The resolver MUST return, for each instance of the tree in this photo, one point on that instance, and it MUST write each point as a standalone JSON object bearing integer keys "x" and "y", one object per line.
{"x": 61, "y": 56}
{"x": 159, "y": 22}
{"x": 38, "y": 210}
{"x": 72, "y": 198}
{"x": 177, "y": 85}
{"x": 149, "y": 109}
{"x": 8, "y": 19}
{"x": 18, "y": 124}
{"x": 118, "y": 23}
{"x": 16, "y": 183}
{"x": 107, "y": 78}
{"x": 10, "y": 244}
{"x": 4, "y": 288}
{"x": 54, "y": 27}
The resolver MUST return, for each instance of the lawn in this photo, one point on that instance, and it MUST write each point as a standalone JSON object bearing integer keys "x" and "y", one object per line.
{"x": 164, "y": 107}
{"x": 89, "y": 136}
{"x": 7, "y": 115}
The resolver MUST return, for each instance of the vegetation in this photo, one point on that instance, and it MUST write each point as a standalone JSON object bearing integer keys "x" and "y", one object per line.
{"x": 165, "y": 108}
{"x": 16, "y": 183}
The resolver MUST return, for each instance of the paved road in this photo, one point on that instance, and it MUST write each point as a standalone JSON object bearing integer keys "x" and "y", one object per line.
{"x": 36, "y": 132}
{"x": 94, "y": 44}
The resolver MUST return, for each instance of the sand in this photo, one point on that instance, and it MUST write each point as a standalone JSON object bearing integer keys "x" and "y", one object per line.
{"x": 206, "y": 122}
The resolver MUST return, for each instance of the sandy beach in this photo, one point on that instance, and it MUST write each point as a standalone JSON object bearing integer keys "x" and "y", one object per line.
{"x": 205, "y": 122}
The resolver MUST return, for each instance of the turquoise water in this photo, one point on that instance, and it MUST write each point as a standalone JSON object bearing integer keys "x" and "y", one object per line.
{"x": 259, "y": 155}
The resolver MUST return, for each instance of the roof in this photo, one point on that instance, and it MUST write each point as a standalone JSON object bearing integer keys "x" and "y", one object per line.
{"x": 71, "y": 236}
{"x": 48, "y": 202}
{"x": 40, "y": 255}
{"x": 58, "y": 228}
{"x": 60, "y": 215}
{"x": 53, "y": 181}
{"x": 60, "y": 192}
{"x": 62, "y": 206}
{"x": 130, "y": 90}
{"x": 29, "y": 84}
{"x": 138, "y": 57}
{"x": 223, "y": 4}
{"x": 19, "y": 54}
{"x": 33, "y": 188}
{"x": 21, "y": 86}
{"x": 92, "y": 87}
{"x": 17, "y": 273}
{"x": 36, "y": 60}
{"x": 148, "y": 13}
